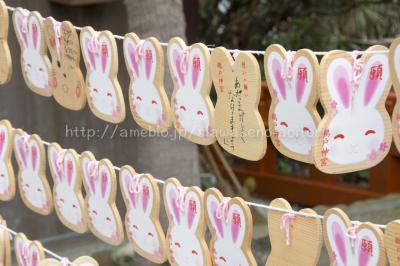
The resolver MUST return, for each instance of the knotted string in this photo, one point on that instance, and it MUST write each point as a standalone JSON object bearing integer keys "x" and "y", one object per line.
{"x": 139, "y": 50}
{"x": 133, "y": 184}
{"x": 222, "y": 210}
{"x": 60, "y": 161}
{"x": 25, "y": 141}
{"x": 286, "y": 222}
{"x": 24, "y": 26}
{"x": 93, "y": 169}
{"x": 184, "y": 59}
{"x": 287, "y": 67}
{"x": 180, "y": 200}
{"x": 235, "y": 54}
{"x": 358, "y": 65}
{"x": 57, "y": 33}
{"x": 94, "y": 44}
{"x": 352, "y": 234}
{"x": 25, "y": 251}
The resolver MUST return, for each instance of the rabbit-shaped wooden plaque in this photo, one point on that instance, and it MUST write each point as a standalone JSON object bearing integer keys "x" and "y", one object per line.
{"x": 5, "y": 246}
{"x": 148, "y": 101}
{"x": 231, "y": 226}
{"x": 28, "y": 253}
{"x": 293, "y": 80}
{"x": 5, "y": 56}
{"x": 81, "y": 261}
{"x": 187, "y": 225}
{"x": 394, "y": 63}
{"x": 239, "y": 127}
{"x": 68, "y": 82}
{"x": 347, "y": 245}
{"x": 103, "y": 91}
{"x": 392, "y": 242}
{"x": 295, "y": 239}
{"x": 67, "y": 191}
{"x": 32, "y": 183}
{"x": 193, "y": 110}
{"x": 142, "y": 224}
{"x": 36, "y": 67}
{"x": 7, "y": 177}
{"x": 101, "y": 190}
{"x": 356, "y": 131}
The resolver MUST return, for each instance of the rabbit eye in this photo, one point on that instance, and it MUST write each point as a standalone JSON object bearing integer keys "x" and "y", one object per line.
{"x": 108, "y": 219}
{"x": 339, "y": 136}
{"x": 41, "y": 69}
{"x": 39, "y": 190}
{"x": 95, "y": 90}
{"x": 62, "y": 200}
{"x": 27, "y": 185}
{"x": 182, "y": 108}
{"x": 150, "y": 234}
{"x": 58, "y": 64}
{"x": 284, "y": 124}
{"x": 138, "y": 98}
{"x": 194, "y": 252}
{"x": 74, "y": 206}
{"x": 177, "y": 244}
{"x": 29, "y": 65}
{"x": 369, "y": 132}
{"x": 306, "y": 129}
{"x": 135, "y": 227}
{"x": 109, "y": 94}
{"x": 94, "y": 212}
{"x": 199, "y": 112}
{"x": 2, "y": 175}
{"x": 65, "y": 75}
{"x": 153, "y": 102}
{"x": 222, "y": 258}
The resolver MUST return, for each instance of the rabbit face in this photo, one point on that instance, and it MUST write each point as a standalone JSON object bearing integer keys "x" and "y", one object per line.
{"x": 188, "y": 69}
{"x": 292, "y": 121}
{"x": 184, "y": 244}
{"x": 102, "y": 218}
{"x": 35, "y": 69}
{"x": 145, "y": 100}
{"x": 356, "y": 133}
{"x": 102, "y": 94}
{"x": 68, "y": 204}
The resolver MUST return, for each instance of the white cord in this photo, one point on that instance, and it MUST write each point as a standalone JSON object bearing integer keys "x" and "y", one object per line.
{"x": 232, "y": 51}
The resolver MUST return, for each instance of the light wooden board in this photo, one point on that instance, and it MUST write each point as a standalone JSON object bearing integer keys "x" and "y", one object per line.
{"x": 305, "y": 237}
{"x": 7, "y": 178}
{"x": 356, "y": 131}
{"x": 68, "y": 82}
{"x": 367, "y": 249}
{"x": 101, "y": 190}
{"x": 33, "y": 186}
{"x": 293, "y": 117}
{"x": 231, "y": 231}
{"x": 394, "y": 63}
{"x": 5, "y": 56}
{"x": 35, "y": 64}
{"x": 239, "y": 127}
{"x": 103, "y": 90}
{"x": 66, "y": 171}
{"x": 5, "y": 245}
{"x": 148, "y": 101}
{"x": 187, "y": 224}
{"x": 392, "y": 242}
{"x": 193, "y": 111}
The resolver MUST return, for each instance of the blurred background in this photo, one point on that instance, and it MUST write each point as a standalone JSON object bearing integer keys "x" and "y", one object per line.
{"x": 323, "y": 25}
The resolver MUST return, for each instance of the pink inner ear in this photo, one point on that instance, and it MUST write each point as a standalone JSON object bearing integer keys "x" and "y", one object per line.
{"x": 235, "y": 228}
{"x": 90, "y": 54}
{"x": 338, "y": 235}
{"x": 35, "y": 258}
{"x": 35, "y": 34}
{"x": 145, "y": 198}
{"x": 364, "y": 256}
{"x": 342, "y": 83}
{"x": 195, "y": 71}
{"x": 276, "y": 69}
{"x": 148, "y": 62}
{"x": 104, "y": 56}
{"x": 131, "y": 195}
{"x": 34, "y": 157}
{"x": 217, "y": 222}
{"x": 70, "y": 171}
{"x": 104, "y": 183}
{"x": 133, "y": 58}
{"x": 371, "y": 86}
{"x": 177, "y": 61}
{"x": 2, "y": 141}
{"x": 300, "y": 85}
{"x": 22, "y": 29}
{"x": 191, "y": 213}
{"x": 175, "y": 208}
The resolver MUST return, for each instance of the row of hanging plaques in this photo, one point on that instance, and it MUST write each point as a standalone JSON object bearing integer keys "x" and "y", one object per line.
{"x": 354, "y": 134}
{"x": 296, "y": 238}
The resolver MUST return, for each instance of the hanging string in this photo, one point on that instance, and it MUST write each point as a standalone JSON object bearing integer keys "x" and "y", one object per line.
{"x": 232, "y": 51}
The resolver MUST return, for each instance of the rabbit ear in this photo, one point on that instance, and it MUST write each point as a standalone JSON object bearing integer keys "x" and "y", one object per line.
{"x": 238, "y": 224}
{"x": 302, "y": 80}
{"x": 21, "y": 25}
{"x": 364, "y": 256}
{"x": 212, "y": 206}
{"x": 197, "y": 68}
{"x": 89, "y": 181}
{"x": 193, "y": 210}
{"x": 104, "y": 179}
{"x": 53, "y": 155}
{"x": 150, "y": 60}
{"x": 35, "y": 32}
{"x": 89, "y": 56}
{"x": 70, "y": 169}
{"x": 34, "y": 255}
{"x": 34, "y": 155}
{"x": 3, "y": 141}
{"x": 106, "y": 54}
{"x": 147, "y": 196}
{"x": 171, "y": 194}
{"x": 126, "y": 181}
{"x": 337, "y": 238}
{"x": 274, "y": 67}
{"x": 20, "y": 151}
{"x": 339, "y": 82}
{"x": 132, "y": 59}
{"x": 175, "y": 57}
{"x": 374, "y": 79}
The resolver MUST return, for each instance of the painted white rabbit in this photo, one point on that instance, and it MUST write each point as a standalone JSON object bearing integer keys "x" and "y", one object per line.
{"x": 28, "y": 253}
{"x": 35, "y": 190}
{"x": 191, "y": 102}
{"x": 145, "y": 98}
{"x": 67, "y": 180}
{"x": 229, "y": 236}
{"x": 141, "y": 225}
{"x": 99, "y": 181}
{"x": 186, "y": 215}
{"x": 103, "y": 89}
{"x": 7, "y": 179}
{"x": 357, "y": 132}
{"x": 345, "y": 252}
{"x": 294, "y": 124}
{"x": 36, "y": 66}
